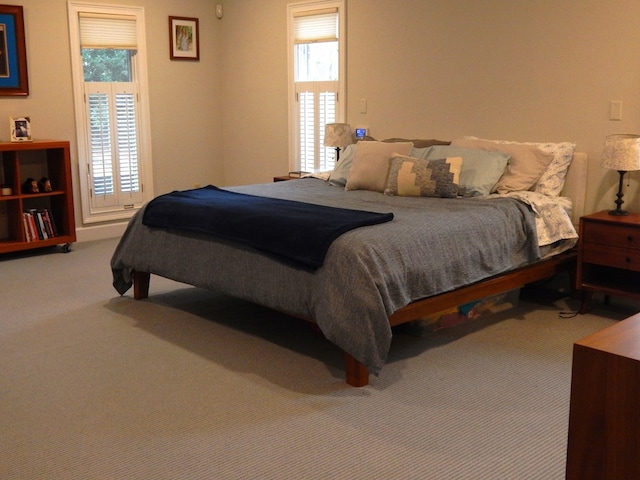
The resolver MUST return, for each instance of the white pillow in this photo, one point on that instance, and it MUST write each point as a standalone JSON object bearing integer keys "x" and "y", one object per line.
{"x": 370, "y": 166}
{"x": 524, "y": 169}
{"x": 552, "y": 179}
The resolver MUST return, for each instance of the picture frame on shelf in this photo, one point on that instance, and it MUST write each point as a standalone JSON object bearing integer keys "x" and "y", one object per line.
{"x": 20, "y": 128}
{"x": 184, "y": 38}
{"x": 13, "y": 52}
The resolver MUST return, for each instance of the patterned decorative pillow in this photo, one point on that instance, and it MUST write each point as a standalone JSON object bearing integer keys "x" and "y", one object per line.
{"x": 416, "y": 177}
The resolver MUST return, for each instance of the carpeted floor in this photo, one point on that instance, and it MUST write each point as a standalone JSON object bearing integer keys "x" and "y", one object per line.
{"x": 190, "y": 384}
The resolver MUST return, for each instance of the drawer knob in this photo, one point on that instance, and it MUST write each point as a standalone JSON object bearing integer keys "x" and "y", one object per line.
{"x": 630, "y": 238}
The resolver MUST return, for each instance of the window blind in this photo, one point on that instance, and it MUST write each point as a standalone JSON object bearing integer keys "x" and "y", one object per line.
{"x": 107, "y": 31}
{"x": 316, "y": 26}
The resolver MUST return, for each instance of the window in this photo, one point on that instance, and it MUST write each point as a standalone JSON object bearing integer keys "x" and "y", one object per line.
{"x": 317, "y": 73}
{"x": 111, "y": 108}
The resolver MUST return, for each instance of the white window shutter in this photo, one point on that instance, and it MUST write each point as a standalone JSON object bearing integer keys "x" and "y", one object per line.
{"x": 127, "y": 143}
{"x": 317, "y": 106}
{"x": 307, "y": 130}
{"x": 101, "y": 163}
{"x": 114, "y": 165}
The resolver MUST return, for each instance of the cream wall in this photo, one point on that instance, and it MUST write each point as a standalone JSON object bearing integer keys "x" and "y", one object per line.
{"x": 185, "y": 99}
{"x": 255, "y": 130}
{"x": 541, "y": 70}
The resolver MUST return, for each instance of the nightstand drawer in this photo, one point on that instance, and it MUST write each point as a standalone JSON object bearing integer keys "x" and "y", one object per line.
{"x": 611, "y": 235}
{"x": 611, "y": 256}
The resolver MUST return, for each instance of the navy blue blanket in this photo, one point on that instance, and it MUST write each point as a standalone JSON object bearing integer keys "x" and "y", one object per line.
{"x": 295, "y": 232}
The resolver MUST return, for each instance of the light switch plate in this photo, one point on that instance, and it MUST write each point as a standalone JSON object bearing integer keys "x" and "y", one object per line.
{"x": 363, "y": 105}
{"x": 615, "y": 110}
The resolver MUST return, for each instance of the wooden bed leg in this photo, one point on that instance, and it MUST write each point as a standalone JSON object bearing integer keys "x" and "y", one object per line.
{"x": 141, "y": 285}
{"x": 356, "y": 374}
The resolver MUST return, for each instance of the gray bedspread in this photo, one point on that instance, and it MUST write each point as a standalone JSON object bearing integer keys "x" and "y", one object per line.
{"x": 431, "y": 246}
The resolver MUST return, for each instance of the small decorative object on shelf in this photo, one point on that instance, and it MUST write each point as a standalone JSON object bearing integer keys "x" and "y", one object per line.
{"x": 20, "y": 129}
{"x": 6, "y": 190}
{"x": 44, "y": 185}
{"x": 30, "y": 186}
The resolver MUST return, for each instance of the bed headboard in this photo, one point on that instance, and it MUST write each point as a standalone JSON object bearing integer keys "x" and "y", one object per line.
{"x": 575, "y": 185}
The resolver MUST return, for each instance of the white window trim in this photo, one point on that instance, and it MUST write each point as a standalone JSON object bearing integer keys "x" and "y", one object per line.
{"x": 309, "y": 6}
{"x": 146, "y": 177}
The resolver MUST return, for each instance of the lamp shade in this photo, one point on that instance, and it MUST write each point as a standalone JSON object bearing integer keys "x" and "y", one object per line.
{"x": 337, "y": 135}
{"x": 621, "y": 152}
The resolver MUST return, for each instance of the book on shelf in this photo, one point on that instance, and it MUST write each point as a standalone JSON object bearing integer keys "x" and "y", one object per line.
{"x": 49, "y": 223}
{"x": 38, "y": 224}
{"x": 30, "y": 229}
{"x": 26, "y": 222}
{"x": 42, "y": 232}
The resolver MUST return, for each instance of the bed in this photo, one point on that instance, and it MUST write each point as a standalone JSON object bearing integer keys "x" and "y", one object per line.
{"x": 441, "y": 248}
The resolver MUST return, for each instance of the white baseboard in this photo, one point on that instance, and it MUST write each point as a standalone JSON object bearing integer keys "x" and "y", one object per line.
{"x": 100, "y": 232}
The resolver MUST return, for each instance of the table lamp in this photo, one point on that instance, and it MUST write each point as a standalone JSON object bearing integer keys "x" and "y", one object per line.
{"x": 622, "y": 153}
{"x": 337, "y": 135}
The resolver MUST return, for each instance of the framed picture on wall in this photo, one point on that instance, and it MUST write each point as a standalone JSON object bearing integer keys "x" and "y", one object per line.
{"x": 13, "y": 52}
{"x": 184, "y": 38}
{"x": 20, "y": 128}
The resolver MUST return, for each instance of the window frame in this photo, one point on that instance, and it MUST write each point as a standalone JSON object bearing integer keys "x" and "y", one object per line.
{"x": 298, "y": 9}
{"x": 121, "y": 211}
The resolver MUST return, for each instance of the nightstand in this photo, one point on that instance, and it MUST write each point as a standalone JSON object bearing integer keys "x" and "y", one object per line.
{"x": 284, "y": 178}
{"x": 609, "y": 256}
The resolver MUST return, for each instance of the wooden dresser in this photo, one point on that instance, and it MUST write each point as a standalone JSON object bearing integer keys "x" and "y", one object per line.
{"x": 604, "y": 416}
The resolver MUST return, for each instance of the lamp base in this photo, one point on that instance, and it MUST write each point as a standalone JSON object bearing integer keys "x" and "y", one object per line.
{"x": 618, "y": 212}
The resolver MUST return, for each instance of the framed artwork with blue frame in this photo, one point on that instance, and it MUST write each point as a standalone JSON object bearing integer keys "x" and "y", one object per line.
{"x": 13, "y": 53}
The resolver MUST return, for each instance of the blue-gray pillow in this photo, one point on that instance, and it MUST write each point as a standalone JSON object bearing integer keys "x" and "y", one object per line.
{"x": 338, "y": 177}
{"x": 481, "y": 169}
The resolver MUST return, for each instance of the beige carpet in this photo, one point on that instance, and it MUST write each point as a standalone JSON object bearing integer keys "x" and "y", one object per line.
{"x": 193, "y": 385}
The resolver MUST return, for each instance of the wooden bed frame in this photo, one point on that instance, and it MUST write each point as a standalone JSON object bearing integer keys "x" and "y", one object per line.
{"x": 357, "y": 375}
